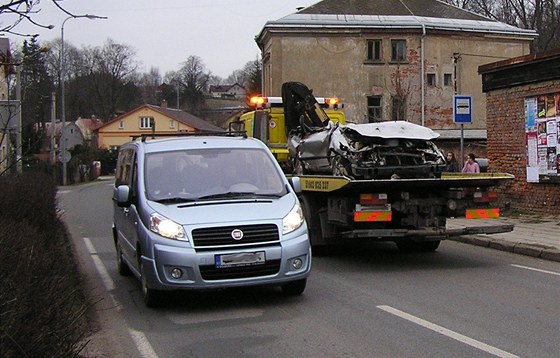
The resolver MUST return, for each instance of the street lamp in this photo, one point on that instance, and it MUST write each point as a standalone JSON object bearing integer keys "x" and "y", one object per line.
{"x": 64, "y": 158}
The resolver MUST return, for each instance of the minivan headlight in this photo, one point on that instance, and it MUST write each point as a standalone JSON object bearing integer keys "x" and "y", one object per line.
{"x": 167, "y": 228}
{"x": 293, "y": 220}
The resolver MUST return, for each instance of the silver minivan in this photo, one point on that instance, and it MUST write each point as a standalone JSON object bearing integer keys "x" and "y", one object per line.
{"x": 207, "y": 211}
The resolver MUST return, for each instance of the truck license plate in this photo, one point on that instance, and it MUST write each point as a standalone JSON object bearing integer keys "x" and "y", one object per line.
{"x": 240, "y": 259}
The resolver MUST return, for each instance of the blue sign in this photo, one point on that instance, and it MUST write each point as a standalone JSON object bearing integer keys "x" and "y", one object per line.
{"x": 462, "y": 109}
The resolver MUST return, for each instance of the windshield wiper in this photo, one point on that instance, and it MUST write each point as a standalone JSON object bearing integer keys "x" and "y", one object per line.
{"x": 229, "y": 194}
{"x": 239, "y": 194}
{"x": 174, "y": 200}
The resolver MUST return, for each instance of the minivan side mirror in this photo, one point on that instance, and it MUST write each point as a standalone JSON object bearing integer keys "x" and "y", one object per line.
{"x": 122, "y": 195}
{"x": 296, "y": 184}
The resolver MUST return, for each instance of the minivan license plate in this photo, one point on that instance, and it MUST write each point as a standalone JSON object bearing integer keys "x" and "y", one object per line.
{"x": 240, "y": 259}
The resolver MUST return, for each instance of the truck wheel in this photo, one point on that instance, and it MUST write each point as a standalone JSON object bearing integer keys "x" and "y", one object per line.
{"x": 295, "y": 288}
{"x": 312, "y": 220}
{"x": 418, "y": 246}
{"x": 122, "y": 266}
{"x": 152, "y": 298}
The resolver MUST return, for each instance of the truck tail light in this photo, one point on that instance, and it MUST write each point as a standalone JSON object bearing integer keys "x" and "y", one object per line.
{"x": 373, "y": 199}
{"x": 332, "y": 102}
{"x": 257, "y": 102}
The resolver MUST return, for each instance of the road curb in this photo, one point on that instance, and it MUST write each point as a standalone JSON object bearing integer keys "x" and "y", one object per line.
{"x": 527, "y": 249}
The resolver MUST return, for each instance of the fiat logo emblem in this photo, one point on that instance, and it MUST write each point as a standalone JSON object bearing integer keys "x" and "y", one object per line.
{"x": 237, "y": 234}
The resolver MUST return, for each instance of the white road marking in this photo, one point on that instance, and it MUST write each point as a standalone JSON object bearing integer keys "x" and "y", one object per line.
{"x": 536, "y": 269}
{"x": 446, "y": 332}
{"x": 140, "y": 340}
{"x": 142, "y": 343}
{"x": 105, "y": 277}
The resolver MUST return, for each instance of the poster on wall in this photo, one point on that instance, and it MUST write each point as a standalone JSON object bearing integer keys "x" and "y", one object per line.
{"x": 542, "y": 139}
{"x": 532, "y": 163}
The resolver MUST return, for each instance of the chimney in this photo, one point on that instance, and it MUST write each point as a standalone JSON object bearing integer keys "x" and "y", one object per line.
{"x": 163, "y": 104}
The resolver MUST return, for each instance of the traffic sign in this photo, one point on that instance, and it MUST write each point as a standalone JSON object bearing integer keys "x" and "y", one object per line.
{"x": 65, "y": 156}
{"x": 462, "y": 109}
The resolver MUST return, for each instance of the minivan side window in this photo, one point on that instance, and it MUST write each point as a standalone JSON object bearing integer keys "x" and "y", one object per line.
{"x": 124, "y": 167}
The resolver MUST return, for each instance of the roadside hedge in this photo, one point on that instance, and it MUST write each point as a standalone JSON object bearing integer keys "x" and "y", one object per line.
{"x": 42, "y": 301}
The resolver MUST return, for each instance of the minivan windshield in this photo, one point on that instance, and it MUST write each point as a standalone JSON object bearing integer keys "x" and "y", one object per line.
{"x": 208, "y": 174}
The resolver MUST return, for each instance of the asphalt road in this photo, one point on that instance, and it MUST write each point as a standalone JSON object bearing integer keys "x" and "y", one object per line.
{"x": 362, "y": 301}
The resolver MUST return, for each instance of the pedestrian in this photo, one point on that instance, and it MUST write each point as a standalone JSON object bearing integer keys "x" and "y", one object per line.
{"x": 451, "y": 165}
{"x": 471, "y": 165}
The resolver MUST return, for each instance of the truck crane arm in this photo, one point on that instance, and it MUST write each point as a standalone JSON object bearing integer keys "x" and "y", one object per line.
{"x": 301, "y": 108}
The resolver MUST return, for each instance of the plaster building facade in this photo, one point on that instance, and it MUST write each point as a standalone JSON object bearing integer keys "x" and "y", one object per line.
{"x": 523, "y": 104}
{"x": 142, "y": 120}
{"x": 389, "y": 60}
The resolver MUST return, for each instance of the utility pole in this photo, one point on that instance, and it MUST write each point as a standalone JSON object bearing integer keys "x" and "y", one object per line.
{"x": 63, "y": 154}
{"x": 53, "y": 127}
{"x": 19, "y": 142}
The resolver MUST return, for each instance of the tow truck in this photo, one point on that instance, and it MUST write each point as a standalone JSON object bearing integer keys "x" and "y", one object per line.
{"x": 266, "y": 121}
{"x": 410, "y": 212}
{"x": 380, "y": 181}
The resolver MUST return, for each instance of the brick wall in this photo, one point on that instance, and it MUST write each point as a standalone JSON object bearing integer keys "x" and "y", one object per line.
{"x": 506, "y": 149}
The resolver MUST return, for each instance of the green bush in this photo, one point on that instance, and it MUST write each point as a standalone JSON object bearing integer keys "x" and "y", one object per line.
{"x": 42, "y": 303}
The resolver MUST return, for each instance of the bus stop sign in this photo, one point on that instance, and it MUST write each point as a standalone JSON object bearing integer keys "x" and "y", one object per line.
{"x": 462, "y": 109}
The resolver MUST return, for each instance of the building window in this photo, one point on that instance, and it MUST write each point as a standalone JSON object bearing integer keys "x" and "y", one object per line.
{"x": 447, "y": 79}
{"x": 431, "y": 79}
{"x": 398, "y": 50}
{"x": 374, "y": 109}
{"x": 171, "y": 123}
{"x": 121, "y": 124}
{"x": 399, "y": 108}
{"x": 373, "y": 51}
{"x": 146, "y": 122}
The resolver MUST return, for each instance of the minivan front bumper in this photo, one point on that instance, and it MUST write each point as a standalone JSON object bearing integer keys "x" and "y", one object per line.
{"x": 174, "y": 267}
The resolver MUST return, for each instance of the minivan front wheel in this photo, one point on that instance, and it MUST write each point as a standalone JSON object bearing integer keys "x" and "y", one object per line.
{"x": 151, "y": 297}
{"x": 122, "y": 266}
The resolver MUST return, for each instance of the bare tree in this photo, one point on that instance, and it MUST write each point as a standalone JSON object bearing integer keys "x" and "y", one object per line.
{"x": 149, "y": 84}
{"x": 540, "y": 15}
{"x": 194, "y": 84}
{"x": 253, "y": 79}
{"x": 110, "y": 72}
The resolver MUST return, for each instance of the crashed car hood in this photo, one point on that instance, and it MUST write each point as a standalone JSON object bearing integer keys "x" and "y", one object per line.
{"x": 394, "y": 129}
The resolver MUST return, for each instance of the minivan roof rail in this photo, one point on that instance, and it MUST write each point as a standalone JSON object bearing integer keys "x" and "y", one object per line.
{"x": 191, "y": 134}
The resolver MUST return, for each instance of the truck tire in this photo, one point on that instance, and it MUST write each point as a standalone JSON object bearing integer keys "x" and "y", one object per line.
{"x": 311, "y": 218}
{"x": 418, "y": 246}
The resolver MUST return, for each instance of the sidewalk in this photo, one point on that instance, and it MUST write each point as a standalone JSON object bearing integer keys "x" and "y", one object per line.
{"x": 532, "y": 235}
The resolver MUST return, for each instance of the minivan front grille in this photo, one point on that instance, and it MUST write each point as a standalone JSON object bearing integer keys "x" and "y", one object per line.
{"x": 222, "y": 236}
{"x": 211, "y": 272}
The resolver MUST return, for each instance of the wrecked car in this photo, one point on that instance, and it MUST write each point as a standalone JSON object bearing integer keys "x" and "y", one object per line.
{"x": 384, "y": 150}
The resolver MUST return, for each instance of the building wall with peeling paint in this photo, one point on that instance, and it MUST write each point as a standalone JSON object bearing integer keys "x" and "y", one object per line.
{"x": 333, "y": 63}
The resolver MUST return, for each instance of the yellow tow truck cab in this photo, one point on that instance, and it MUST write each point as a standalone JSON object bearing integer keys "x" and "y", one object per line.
{"x": 265, "y": 121}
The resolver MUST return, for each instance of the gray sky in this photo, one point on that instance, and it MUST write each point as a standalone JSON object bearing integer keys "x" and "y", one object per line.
{"x": 165, "y": 33}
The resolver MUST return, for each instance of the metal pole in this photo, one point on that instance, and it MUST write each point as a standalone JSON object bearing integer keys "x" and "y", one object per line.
{"x": 62, "y": 104}
{"x": 19, "y": 143}
{"x": 62, "y": 96}
{"x": 53, "y": 126}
